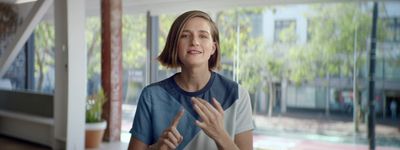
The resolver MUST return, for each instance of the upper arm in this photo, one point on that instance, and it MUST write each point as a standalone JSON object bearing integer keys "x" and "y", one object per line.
{"x": 244, "y": 140}
{"x": 143, "y": 119}
{"x": 244, "y": 122}
{"x": 135, "y": 144}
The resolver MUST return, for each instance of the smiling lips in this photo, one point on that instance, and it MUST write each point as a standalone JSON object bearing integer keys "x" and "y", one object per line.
{"x": 194, "y": 52}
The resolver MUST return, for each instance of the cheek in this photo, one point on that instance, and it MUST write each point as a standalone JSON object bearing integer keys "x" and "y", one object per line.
{"x": 210, "y": 48}
{"x": 181, "y": 48}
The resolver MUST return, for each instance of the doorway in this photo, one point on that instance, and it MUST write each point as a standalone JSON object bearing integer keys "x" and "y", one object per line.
{"x": 392, "y": 100}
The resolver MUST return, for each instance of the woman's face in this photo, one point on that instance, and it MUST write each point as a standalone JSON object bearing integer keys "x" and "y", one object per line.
{"x": 195, "y": 43}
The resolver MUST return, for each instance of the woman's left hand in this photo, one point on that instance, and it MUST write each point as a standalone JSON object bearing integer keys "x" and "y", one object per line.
{"x": 212, "y": 117}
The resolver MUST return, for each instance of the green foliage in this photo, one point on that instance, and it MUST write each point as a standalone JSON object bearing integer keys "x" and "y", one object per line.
{"x": 133, "y": 44}
{"x": 134, "y": 41}
{"x": 93, "y": 41}
{"x": 258, "y": 65}
{"x": 259, "y": 68}
{"x": 228, "y": 22}
{"x": 94, "y": 106}
{"x": 165, "y": 25}
{"x": 44, "y": 51}
{"x": 301, "y": 65}
{"x": 288, "y": 35}
{"x": 330, "y": 47}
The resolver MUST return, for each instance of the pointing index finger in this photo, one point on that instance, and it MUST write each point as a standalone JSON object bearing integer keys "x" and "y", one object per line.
{"x": 177, "y": 118}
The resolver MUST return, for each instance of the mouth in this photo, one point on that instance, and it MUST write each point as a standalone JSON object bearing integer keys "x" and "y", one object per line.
{"x": 194, "y": 52}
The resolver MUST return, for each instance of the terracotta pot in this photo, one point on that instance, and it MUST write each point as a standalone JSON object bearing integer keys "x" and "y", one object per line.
{"x": 94, "y": 134}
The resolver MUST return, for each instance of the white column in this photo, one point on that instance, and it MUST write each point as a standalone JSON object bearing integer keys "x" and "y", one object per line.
{"x": 71, "y": 75}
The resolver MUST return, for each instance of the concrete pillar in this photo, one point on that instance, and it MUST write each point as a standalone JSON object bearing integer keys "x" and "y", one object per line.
{"x": 111, "y": 66}
{"x": 70, "y": 75}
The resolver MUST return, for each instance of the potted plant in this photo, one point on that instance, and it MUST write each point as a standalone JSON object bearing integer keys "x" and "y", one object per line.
{"x": 95, "y": 125}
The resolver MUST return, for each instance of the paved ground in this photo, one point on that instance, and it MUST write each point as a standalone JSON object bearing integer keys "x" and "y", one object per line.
{"x": 308, "y": 130}
{"x": 312, "y": 130}
{"x": 263, "y": 142}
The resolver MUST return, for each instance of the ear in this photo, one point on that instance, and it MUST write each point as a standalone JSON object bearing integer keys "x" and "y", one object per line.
{"x": 214, "y": 48}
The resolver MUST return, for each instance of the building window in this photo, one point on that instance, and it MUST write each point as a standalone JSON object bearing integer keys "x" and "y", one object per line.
{"x": 392, "y": 29}
{"x": 285, "y": 31}
{"x": 309, "y": 34}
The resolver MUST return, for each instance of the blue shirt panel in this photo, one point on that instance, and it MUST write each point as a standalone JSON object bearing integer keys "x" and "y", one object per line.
{"x": 160, "y": 102}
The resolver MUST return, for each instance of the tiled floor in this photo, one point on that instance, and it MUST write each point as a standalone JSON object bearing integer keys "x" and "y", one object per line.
{"x": 112, "y": 146}
{"x": 261, "y": 142}
{"x": 8, "y": 143}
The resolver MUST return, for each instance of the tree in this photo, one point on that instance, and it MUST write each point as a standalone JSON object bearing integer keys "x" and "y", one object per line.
{"x": 133, "y": 47}
{"x": 257, "y": 68}
{"x": 44, "y": 51}
{"x": 134, "y": 52}
{"x": 336, "y": 31}
{"x": 93, "y": 39}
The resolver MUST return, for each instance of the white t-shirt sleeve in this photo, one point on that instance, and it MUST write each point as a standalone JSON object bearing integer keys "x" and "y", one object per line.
{"x": 244, "y": 116}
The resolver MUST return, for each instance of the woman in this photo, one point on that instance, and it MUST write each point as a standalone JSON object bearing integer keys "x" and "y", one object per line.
{"x": 195, "y": 108}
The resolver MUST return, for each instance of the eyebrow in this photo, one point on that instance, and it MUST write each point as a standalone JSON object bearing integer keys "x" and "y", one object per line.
{"x": 201, "y": 31}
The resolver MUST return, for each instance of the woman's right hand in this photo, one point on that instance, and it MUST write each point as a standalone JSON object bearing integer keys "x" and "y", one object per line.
{"x": 170, "y": 138}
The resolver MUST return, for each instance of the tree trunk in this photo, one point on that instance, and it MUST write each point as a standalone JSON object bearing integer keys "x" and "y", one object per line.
{"x": 328, "y": 87}
{"x": 357, "y": 110}
{"x": 271, "y": 92}
{"x": 92, "y": 45}
{"x": 271, "y": 98}
{"x": 40, "y": 64}
{"x": 357, "y": 107}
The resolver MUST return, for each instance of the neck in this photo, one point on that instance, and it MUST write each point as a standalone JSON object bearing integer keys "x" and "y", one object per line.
{"x": 193, "y": 80}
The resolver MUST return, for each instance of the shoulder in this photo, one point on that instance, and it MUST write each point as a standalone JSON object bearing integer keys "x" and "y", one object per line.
{"x": 226, "y": 90}
{"x": 243, "y": 93}
{"x": 155, "y": 87}
{"x": 224, "y": 81}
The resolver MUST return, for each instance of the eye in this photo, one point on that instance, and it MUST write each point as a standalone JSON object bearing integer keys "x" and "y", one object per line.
{"x": 204, "y": 36}
{"x": 184, "y": 35}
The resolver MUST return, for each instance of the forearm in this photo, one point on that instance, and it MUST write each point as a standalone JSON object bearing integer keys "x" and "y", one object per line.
{"x": 152, "y": 147}
{"x": 224, "y": 142}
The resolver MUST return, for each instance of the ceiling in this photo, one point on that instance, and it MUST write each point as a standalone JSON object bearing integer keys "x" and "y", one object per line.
{"x": 156, "y": 7}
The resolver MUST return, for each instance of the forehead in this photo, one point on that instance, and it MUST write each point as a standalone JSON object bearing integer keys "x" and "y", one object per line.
{"x": 197, "y": 24}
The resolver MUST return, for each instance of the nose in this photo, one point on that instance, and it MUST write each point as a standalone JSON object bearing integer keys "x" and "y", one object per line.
{"x": 195, "y": 41}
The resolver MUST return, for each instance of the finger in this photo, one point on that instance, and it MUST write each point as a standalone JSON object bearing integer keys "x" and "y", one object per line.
{"x": 200, "y": 100}
{"x": 206, "y": 107}
{"x": 202, "y": 115}
{"x": 202, "y": 125}
{"x": 172, "y": 138}
{"x": 180, "y": 140}
{"x": 177, "y": 134}
{"x": 206, "y": 103}
{"x": 218, "y": 106}
{"x": 178, "y": 116}
{"x": 169, "y": 143}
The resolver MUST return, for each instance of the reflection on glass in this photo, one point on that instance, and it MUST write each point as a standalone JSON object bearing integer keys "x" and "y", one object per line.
{"x": 165, "y": 24}
{"x": 134, "y": 65}
{"x": 12, "y": 16}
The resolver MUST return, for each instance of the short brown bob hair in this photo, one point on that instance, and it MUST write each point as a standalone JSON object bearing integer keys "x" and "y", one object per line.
{"x": 169, "y": 56}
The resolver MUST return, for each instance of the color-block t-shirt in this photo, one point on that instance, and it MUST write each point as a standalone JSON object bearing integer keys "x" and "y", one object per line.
{"x": 160, "y": 102}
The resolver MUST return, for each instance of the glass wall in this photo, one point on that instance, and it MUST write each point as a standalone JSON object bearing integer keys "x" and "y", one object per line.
{"x": 289, "y": 57}
{"x": 44, "y": 57}
{"x": 134, "y": 66}
{"x": 13, "y": 16}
